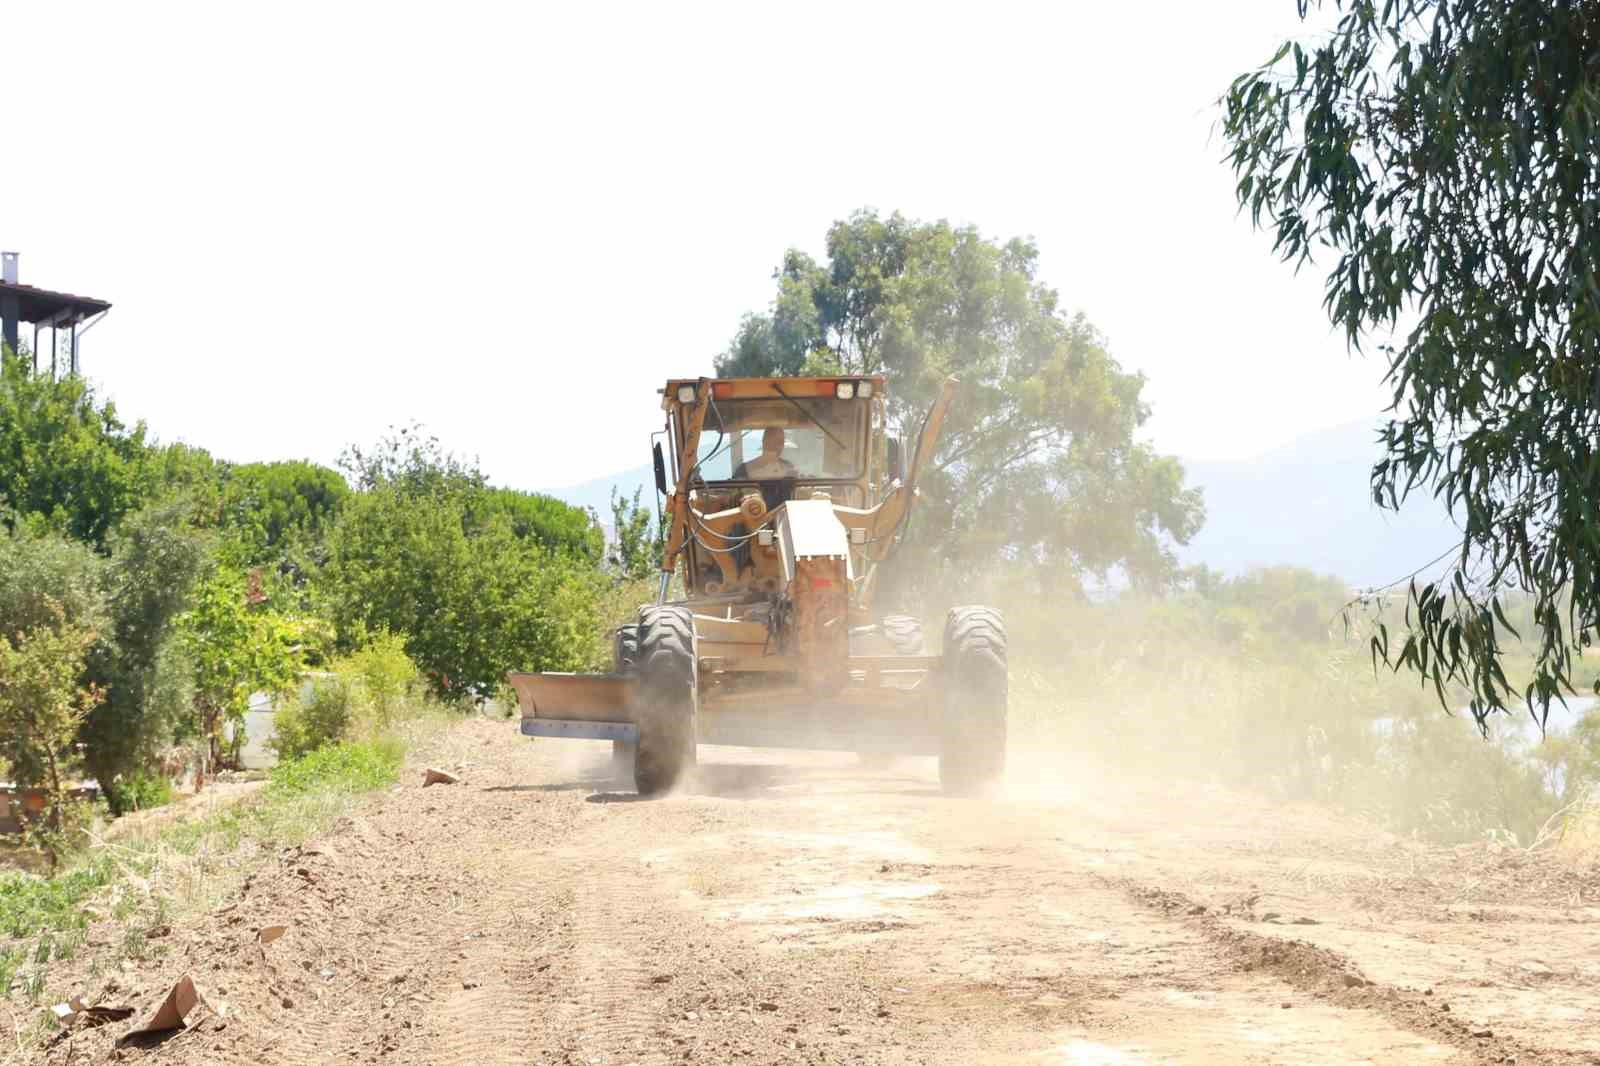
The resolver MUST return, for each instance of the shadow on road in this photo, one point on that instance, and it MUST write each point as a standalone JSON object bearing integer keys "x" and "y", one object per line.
{"x": 745, "y": 781}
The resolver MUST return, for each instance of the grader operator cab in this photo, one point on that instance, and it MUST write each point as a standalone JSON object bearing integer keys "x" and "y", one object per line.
{"x": 784, "y": 497}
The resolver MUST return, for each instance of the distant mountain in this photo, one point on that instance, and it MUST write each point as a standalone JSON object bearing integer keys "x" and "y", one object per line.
{"x": 597, "y": 493}
{"x": 1305, "y": 504}
{"x": 1308, "y": 503}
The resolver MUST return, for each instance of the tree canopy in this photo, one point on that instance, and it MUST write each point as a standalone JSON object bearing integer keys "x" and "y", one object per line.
{"x": 64, "y": 455}
{"x": 1446, "y": 157}
{"x": 272, "y": 506}
{"x": 1040, "y": 462}
{"x": 428, "y": 550}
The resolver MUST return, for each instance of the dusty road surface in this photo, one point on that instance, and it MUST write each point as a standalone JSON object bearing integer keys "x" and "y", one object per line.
{"x": 801, "y": 909}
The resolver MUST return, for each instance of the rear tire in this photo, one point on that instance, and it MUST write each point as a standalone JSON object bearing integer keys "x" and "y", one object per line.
{"x": 904, "y": 634}
{"x": 666, "y": 701}
{"x": 625, "y": 649}
{"x": 972, "y": 754}
{"x": 625, "y": 657}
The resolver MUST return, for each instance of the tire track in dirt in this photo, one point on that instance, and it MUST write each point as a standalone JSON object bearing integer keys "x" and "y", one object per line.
{"x": 1332, "y": 977}
{"x": 394, "y": 964}
{"x": 485, "y": 1009}
{"x": 982, "y": 930}
{"x": 606, "y": 951}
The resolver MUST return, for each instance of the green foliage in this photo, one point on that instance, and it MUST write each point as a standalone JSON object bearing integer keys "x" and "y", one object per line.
{"x": 236, "y": 647}
{"x": 324, "y": 716}
{"x": 1448, "y": 154}
{"x": 474, "y": 599}
{"x": 385, "y": 673}
{"x": 274, "y": 509}
{"x": 42, "y": 704}
{"x": 31, "y": 905}
{"x": 46, "y": 578}
{"x": 636, "y": 552}
{"x": 556, "y": 526}
{"x": 418, "y": 467}
{"x": 157, "y": 557}
{"x": 1038, "y": 461}
{"x": 348, "y": 767}
{"x": 65, "y": 456}
{"x": 364, "y": 695}
{"x": 140, "y": 790}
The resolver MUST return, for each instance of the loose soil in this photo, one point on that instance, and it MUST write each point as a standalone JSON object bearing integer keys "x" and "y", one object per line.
{"x": 799, "y": 908}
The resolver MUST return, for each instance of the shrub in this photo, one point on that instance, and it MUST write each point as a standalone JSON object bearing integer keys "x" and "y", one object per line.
{"x": 348, "y": 767}
{"x": 387, "y": 675}
{"x": 42, "y": 704}
{"x": 139, "y": 791}
{"x": 324, "y": 716}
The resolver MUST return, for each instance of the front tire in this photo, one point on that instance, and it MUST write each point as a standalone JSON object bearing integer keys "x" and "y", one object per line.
{"x": 666, "y": 699}
{"x": 972, "y": 754}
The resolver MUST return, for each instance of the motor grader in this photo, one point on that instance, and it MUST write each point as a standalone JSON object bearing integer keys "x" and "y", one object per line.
{"x": 784, "y": 499}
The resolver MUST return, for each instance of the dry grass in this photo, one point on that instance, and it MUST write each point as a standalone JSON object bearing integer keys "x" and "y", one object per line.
{"x": 1579, "y": 839}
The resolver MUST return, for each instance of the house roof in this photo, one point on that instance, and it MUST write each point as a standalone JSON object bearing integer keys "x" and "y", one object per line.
{"x": 46, "y": 308}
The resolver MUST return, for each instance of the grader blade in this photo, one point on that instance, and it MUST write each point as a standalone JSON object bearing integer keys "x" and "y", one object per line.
{"x": 583, "y": 706}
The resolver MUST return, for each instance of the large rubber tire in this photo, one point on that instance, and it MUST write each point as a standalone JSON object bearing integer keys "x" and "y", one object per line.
{"x": 904, "y": 634}
{"x": 666, "y": 699}
{"x": 625, "y": 660}
{"x": 625, "y": 649}
{"x": 972, "y": 755}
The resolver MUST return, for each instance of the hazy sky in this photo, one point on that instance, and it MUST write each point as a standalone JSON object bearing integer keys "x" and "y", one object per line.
{"x": 512, "y": 222}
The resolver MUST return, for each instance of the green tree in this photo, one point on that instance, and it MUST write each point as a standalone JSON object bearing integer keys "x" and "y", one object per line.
{"x": 1446, "y": 155}
{"x": 276, "y": 509}
{"x": 64, "y": 455}
{"x": 415, "y": 464}
{"x": 635, "y": 552}
{"x": 236, "y": 647}
{"x": 545, "y": 520}
{"x": 42, "y": 704}
{"x": 46, "y": 579}
{"x": 1038, "y": 463}
{"x": 157, "y": 557}
{"x": 417, "y": 552}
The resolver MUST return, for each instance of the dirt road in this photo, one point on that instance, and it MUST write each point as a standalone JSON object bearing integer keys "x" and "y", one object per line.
{"x": 804, "y": 910}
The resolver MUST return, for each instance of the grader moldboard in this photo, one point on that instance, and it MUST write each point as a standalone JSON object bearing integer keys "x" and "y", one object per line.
{"x": 787, "y": 496}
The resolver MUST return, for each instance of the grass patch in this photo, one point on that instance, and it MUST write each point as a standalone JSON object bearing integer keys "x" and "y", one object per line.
{"x": 341, "y": 768}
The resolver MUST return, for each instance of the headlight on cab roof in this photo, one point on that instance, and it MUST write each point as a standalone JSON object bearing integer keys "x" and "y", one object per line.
{"x": 845, "y": 390}
{"x": 686, "y": 394}
{"x": 863, "y": 389}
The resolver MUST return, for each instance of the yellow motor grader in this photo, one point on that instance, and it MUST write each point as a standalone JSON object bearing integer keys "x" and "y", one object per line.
{"x": 784, "y": 497}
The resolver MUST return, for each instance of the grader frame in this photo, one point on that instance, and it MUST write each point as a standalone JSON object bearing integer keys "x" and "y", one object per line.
{"x": 776, "y": 642}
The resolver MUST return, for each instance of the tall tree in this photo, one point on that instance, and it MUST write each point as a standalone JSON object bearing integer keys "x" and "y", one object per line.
{"x": 1447, "y": 154}
{"x": 157, "y": 559}
{"x": 64, "y": 455}
{"x": 1039, "y": 462}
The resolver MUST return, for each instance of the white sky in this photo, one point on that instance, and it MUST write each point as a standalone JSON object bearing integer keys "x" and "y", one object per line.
{"x": 512, "y": 222}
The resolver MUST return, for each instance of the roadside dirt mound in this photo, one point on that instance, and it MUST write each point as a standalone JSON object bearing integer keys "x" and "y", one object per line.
{"x": 800, "y": 909}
